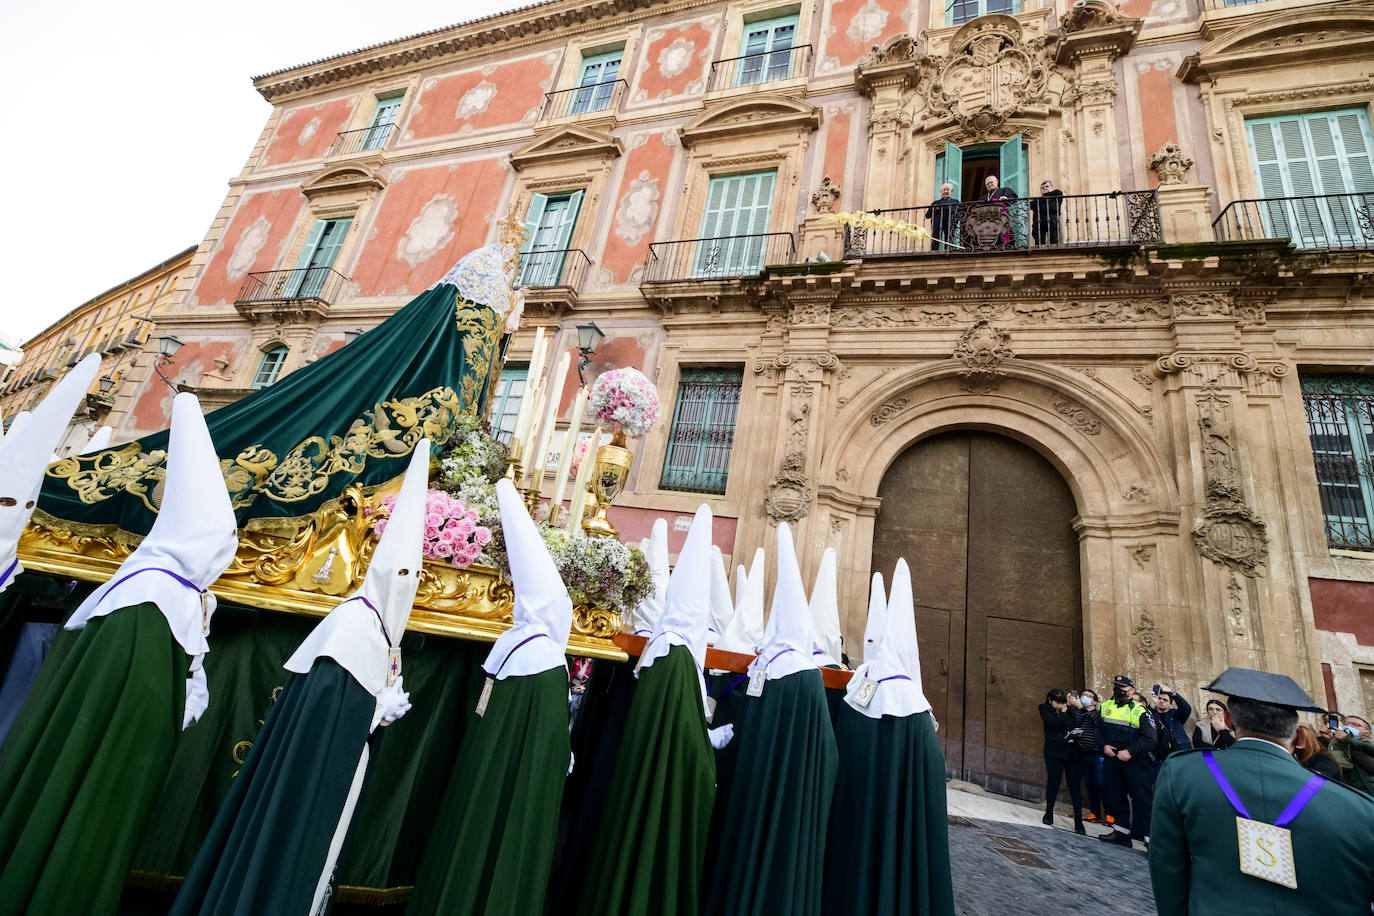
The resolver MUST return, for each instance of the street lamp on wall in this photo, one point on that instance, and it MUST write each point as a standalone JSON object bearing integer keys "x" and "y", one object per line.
{"x": 167, "y": 347}
{"x": 105, "y": 385}
{"x": 589, "y": 337}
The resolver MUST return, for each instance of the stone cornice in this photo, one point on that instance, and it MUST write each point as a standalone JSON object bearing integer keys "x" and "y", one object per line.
{"x": 492, "y": 34}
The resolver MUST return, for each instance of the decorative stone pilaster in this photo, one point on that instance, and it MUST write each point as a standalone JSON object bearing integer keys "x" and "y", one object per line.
{"x": 1184, "y": 209}
{"x": 1093, "y": 35}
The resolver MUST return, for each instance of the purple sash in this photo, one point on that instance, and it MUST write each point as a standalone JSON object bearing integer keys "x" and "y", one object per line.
{"x": 1294, "y": 807}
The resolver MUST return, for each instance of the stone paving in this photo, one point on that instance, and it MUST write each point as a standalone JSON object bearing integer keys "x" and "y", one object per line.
{"x": 1006, "y": 862}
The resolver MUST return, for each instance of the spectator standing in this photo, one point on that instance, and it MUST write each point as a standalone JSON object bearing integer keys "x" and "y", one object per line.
{"x": 1353, "y": 752}
{"x": 1005, "y": 196}
{"x": 1172, "y": 712}
{"x": 943, "y": 215}
{"x": 1308, "y": 749}
{"x": 1086, "y": 715}
{"x": 1128, "y": 736}
{"x": 1215, "y": 732}
{"x": 1045, "y": 211}
{"x": 1061, "y": 759}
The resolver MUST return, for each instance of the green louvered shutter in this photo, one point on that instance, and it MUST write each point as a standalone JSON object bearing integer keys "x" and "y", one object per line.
{"x": 734, "y": 225}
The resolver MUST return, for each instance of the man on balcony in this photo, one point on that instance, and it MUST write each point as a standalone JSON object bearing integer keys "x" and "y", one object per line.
{"x": 943, "y": 216}
{"x": 1045, "y": 214}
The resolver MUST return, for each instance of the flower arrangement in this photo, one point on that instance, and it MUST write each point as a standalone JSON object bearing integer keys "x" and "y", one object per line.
{"x": 625, "y": 400}
{"x": 599, "y": 572}
{"x": 452, "y": 532}
{"x": 878, "y": 223}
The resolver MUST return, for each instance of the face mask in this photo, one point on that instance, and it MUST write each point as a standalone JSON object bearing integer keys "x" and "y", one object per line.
{"x": 1086, "y": 701}
{"x": 1351, "y": 730}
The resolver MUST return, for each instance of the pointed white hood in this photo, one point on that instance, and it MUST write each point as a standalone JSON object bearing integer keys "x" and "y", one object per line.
{"x": 722, "y": 608}
{"x": 745, "y": 629}
{"x": 687, "y": 610}
{"x": 897, "y": 669}
{"x": 644, "y": 618}
{"x": 26, "y": 453}
{"x": 825, "y": 613}
{"x": 786, "y": 645}
{"x": 99, "y": 441}
{"x": 543, "y": 611}
{"x": 191, "y": 544}
{"x": 877, "y": 618}
{"x": 362, "y": 629}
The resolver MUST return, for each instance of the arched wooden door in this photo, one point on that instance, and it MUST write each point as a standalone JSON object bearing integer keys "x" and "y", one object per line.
{"x": 985, "y": 523}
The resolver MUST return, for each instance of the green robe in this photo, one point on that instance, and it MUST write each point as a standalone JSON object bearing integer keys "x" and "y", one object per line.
{"x": 84, "y": 762}
{"x": 270, "y": 841}
{"x": 887, "y": 853}
{"x": 772, "y": 819}
{"x": 651, "y": 842}
{"x": 1194, "y": 851}
{"x": 492, "y": 848}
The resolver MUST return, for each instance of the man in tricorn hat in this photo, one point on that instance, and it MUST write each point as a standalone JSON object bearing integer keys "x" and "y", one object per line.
{"x": 1250, "y": 830}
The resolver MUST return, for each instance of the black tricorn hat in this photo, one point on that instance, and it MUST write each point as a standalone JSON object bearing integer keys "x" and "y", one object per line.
{"x": 1263, "y": 687}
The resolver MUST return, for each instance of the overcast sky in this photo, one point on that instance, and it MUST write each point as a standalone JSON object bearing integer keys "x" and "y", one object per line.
{"x": 128, "y": 119}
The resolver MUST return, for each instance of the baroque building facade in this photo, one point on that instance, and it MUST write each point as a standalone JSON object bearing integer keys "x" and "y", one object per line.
{"x": 1124, "y": 427}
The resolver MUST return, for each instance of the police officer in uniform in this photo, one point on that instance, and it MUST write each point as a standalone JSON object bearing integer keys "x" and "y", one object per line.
{"x": 1127, "y": 734}
{"x": 1248, "y": 830}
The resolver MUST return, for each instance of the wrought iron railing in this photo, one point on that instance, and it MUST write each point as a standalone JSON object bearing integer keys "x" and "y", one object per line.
{"x": 363, "y": 139}
{"x": 1118, "y": 219}
{"x": 763, "y": 67}
{"x": 717, "y": 259}
{"x": 1340, "y": 422}
{"x": 586, "y": 99}
{"x": 1314, "y": 221}
{"x": 322, "y": 283}
{"x": 564, "y": 268}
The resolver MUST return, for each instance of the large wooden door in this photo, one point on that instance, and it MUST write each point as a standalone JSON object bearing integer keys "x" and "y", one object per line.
{"x": 985, "y": 524}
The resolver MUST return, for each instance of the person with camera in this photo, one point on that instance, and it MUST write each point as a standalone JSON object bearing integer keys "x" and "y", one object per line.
{"x": 1061, "y": 758}
{"x": 1086, "y": 715}
{"x": 1350, "y": 746}
{"x": 1128, "y": 736}
{"x": 1172, "y": 712}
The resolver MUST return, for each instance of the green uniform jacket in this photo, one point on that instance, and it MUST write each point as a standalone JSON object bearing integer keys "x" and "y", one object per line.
{"x": 1194, "y": 853}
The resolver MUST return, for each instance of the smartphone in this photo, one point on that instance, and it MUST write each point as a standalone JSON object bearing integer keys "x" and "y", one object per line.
{"x": 1333, "y": 722}
{"x": 1156, "y": 690}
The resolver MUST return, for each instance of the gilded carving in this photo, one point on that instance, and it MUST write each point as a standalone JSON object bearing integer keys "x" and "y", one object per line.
{"x": 1079, "y": 417}
{"x": 981, "y": 349}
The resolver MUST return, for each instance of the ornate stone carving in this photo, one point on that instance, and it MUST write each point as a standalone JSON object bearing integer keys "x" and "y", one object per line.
{"x": 1136, "y": 493}
{"x": 798, "y": 427}
{"x": 826, "y": 196}
{"x": 1079, "y": 417}
{"x": 981, "y": 349}
{"x": 812, "y": 313}
{"x": 1202, "y": 304}
{"x": 1228, "y": 532}
{"x": 1235, "y": 608}
{"x": 1143, "y": 554}
{"x": 788, "y": 498}
{"x": 897, "y": 49}
{"x": 1098, "y": 93}
{"x": 1090, "y": 14}
{"x": 888, "y": 411}
{"x": 943, "y": 312}
{"x": 889, "y": 119}
{"x": 1147, "y": 639}
{"x": 1142, "y": 378}
{"x": 1171, "y": 164}
{"x": 993, "y": 70}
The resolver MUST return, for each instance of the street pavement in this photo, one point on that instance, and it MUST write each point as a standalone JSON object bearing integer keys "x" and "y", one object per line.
{"x": 1005, "y": 862}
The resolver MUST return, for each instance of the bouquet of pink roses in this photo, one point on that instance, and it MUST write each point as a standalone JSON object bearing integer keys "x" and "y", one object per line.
{"x": 451, "y": 530}
{"x": 624, "y": 399}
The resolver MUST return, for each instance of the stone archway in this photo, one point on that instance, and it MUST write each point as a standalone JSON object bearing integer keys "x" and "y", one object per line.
{"x": 996, "y": 592}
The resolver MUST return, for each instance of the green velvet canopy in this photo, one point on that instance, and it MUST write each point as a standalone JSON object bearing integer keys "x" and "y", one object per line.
{"x": 350, "y": 417}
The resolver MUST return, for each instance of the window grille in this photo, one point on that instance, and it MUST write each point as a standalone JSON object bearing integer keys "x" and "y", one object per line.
{"x": 703, "y": 432}
{"x": 1340, "y": 421}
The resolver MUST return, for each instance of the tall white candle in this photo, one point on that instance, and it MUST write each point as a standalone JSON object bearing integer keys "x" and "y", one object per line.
{"x": 526, "y": 411}
{"x": 569, "y": 443}
{"x": 584, "y": 477}
{"x": 548, "y": 420}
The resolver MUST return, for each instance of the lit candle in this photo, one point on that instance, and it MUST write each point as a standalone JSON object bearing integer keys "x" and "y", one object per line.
{"x": 546, "y": 422}
{"x": 522, "y": 416}
{"x": 584, "y": 477}
{"x": 565, "y": 459}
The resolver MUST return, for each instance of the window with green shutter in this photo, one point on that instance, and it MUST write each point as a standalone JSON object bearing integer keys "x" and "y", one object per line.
{"x": 1300, "y": 162}
{"x": 596, "y": 82}
{"x": 734, "y": 225}
{"x": 505, "y": 402}
{"x": 703, "y": 431}
{"x": 549, "y": 220}
{"x": 383, "y": 117}
{"x": 270, "y": 367}
{"x": 317, "y": 257}
{"x": 766, "y": 51}
{"x": 1340, "y": 422}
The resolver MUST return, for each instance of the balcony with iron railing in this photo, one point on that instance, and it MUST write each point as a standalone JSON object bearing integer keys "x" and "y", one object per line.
{"x": 1120, "y": 219}
{"x": 1330, "y": 221}
{"x": 283, "y": 292}
{"x": 590, "y": 99}
{"x": 363, "y": 140}
{"x": 760, "y": 68}
{"x": 564, "y": 268}
{"x": 727, "y": 258}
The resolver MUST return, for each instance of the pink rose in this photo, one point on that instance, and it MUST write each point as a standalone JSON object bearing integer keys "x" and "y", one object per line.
{"x": 482, "y": 536}
{"x": 466, "y": 527}
{"x": 431, "y": 532}
{"x": 443, "y": 549}
{"x": 381, "y": 527}
{"x": 472, "y": 515}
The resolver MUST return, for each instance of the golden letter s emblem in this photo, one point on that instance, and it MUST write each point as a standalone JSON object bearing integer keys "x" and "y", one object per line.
{"x": 1263, "y": 845}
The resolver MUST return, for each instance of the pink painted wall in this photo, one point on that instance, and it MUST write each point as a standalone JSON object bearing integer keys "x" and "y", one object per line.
{"x": 638, "y": 201}
{"x": 473, "y": 101}
{"x": 674, "y": 60}
{"x": 427, "y": 220}
{"x": 253, "y": 242}
{"x": 836, "y": 153}
{"x": 636, "y": 524}
{"x": 859, "y": 25}
{"x": 308, "y": 132}
{"x": 1157, "y": 111}
{"x": 153, "y": 410}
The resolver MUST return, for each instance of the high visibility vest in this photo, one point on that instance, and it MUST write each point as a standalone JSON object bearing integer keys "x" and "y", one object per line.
{"x": 1120, "y": 722}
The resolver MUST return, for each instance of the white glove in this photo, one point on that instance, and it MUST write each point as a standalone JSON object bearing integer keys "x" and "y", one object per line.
{"x": 197, "y": 693}
{"x": 572, "y": 761}
{"x": 392, "y": 703}
{"x": 721, "y": 736}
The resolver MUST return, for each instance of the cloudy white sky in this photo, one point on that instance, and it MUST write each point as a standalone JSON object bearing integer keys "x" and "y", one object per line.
{"x": 127, "y": 120}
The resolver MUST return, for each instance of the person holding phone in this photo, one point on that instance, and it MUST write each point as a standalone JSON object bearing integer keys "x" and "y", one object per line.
{"x": 1353, "y": 750}
{"x": 1061, "y": 736}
